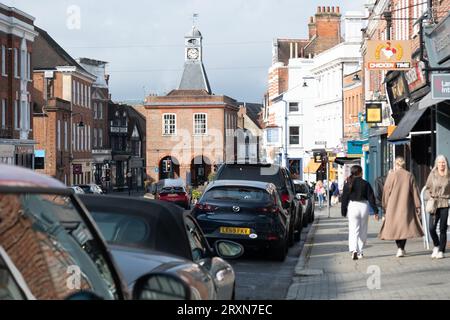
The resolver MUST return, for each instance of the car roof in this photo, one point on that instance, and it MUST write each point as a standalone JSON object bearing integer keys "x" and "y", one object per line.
{"x": 15, "y": 176}
{"x": 243, "y": 183}
{"x": 170, "y": 234}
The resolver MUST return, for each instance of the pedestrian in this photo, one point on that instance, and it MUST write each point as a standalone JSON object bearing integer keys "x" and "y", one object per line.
{"x": 320, "y": 192}
{"x": 438, "y": 191}
{"x": 379, "y": 185}
{"x": 334, "y": 191}
{"x": 401, "y": 206}
{"x": 357, "y": 195}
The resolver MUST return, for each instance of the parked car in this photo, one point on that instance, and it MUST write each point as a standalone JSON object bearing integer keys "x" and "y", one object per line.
{"x": 172, "y": 190}
{"x": 148, "y": 235}
{"x": 249, "y": 212}
{"x": 77, "y": 190}
{"x": 90, "y": 188}
{"x": 275, "y": 174}
{"x": 306, "y": 197}
{"x": 50, "y": 248}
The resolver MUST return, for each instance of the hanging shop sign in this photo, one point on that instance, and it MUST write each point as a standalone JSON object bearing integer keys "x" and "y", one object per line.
{"x": 440, "y": 86}
{"x": 415, "y": 77}
{"x": 374, "y": 112}
{"x": 437, "y": 43}
{"x": 388, "y": 55}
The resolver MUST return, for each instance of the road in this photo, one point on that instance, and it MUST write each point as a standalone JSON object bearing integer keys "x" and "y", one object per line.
{"x": 258, "y": 278}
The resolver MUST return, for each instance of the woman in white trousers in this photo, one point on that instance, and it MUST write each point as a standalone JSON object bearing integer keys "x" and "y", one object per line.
{"x": 357, "y": 196}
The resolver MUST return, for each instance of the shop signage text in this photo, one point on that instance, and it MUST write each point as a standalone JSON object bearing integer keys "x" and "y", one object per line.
{"x": 440, "y": 86}
{"x": 388, "y": 55}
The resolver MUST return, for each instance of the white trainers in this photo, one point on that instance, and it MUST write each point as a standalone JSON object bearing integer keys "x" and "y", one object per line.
{"x": 360, "y": 256}
{"x": 400, "y": 253}
{"x": 354, "y": 255}
{"x": 435, "y": 252}
{"x": 440, "y": 255}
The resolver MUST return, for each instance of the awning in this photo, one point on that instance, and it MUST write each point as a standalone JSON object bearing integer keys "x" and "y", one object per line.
{"x": 428, "y": 101}
{"x": 346, "y": 160}
{"x": 408, "y": 122}
{"x": 312, "y": 167}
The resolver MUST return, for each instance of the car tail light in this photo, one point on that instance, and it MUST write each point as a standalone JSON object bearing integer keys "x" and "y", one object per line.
{"x": 272, "y": 237}
{"x": 205, "y": 207}
{"x": 284, "y": 197}
{"x": 303, "y": 201}
{"x": 268, "y": 210}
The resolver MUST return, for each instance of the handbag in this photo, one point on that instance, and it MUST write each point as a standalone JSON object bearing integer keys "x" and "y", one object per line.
{"x": 431, "y": 206}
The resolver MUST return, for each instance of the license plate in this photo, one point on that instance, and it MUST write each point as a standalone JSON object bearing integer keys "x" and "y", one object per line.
{"x": 232, "y": 230}
{"x": 172, "y": 195}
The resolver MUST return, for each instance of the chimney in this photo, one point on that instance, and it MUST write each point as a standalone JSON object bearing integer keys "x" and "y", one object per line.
{"x": 318, "y": 9}
{"x": 312, "y": 28}
{"x": 328, "y": 9}
{"x": 338, "y": 10}
{"x": 332, "y": 9}
{"x": 323, "y": 9}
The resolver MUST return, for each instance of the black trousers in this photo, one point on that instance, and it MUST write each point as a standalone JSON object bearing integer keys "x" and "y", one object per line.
{"x": 440, "y": 215}
{"x": 401, "y": 244}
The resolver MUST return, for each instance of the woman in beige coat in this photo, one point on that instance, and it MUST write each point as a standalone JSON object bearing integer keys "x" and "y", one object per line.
{"x": 438, "y": 188}
{"x": 401, "y": 204}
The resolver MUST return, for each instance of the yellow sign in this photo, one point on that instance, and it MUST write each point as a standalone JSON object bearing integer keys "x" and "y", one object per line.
{"x": 388, "y": 55}
{"x": 391, "y": 130}
{"x": 374, "y": 113}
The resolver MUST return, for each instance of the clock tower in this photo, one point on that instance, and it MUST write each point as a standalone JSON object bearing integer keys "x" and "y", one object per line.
{"x": 194, "y": 74}
{"x": 193, "y": 45}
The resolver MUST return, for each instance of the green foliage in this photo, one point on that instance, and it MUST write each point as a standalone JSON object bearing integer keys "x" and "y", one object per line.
{"x": 196, "y": 194}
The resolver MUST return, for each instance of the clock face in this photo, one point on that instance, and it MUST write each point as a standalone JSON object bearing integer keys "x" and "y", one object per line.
{"x": 192, "y": 53}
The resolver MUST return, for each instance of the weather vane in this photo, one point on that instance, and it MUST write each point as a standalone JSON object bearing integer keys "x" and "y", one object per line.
{"x": 194, "y": 19}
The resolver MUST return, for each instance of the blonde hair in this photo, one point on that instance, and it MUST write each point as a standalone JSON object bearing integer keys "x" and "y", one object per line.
{"x": 400, "y": 162}
{"x": 438, "y": 158}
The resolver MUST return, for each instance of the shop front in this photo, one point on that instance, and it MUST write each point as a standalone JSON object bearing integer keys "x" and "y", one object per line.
{"x": 437, "y": 43}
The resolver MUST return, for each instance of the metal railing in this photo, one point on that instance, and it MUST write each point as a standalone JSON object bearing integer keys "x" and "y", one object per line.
{"x": 5, "y": 132}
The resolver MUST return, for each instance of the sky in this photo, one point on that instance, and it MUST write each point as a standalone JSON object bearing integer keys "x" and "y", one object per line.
{"x": 143, "y": 41}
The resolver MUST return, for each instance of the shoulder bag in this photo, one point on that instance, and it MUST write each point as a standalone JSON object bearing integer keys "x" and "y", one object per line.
{"x": 430, "y": 206}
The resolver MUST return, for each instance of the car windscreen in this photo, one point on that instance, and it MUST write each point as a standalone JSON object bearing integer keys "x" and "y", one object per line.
{"x": 237, "y": 193}
{"x": 255, "y": 173}
{"x": 86, "y": 189}
{"x": 301, "y": 188}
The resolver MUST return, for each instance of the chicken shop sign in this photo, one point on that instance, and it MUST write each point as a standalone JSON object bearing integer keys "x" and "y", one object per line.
{"x": 388, "y": 55}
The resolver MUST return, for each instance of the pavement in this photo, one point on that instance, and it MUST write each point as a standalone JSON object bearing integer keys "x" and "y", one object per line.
{"x": 325, "y": 270}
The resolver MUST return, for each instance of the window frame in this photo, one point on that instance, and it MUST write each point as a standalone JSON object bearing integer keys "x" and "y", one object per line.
{"x": 164, "y": 125}
{"x": 293, "y": 135}
{"x": 194, "y": 123}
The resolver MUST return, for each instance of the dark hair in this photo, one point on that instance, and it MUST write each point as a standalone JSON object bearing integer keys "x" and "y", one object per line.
{"x": 356, "y": 170}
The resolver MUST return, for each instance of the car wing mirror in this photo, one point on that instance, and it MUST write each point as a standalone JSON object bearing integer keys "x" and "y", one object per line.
{"x": 161, "y": 286}
{"x": 228, "y": 249}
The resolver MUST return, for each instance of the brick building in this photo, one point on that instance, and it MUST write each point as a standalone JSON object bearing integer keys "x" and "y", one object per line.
{"x": 353, "y": 105}
{"x": 406, "y": 129}
{"x": 17, "y": 35}
{"x": 101, "y": 149}
{"x": 190, "y": 129}
{"x": 62, "y": 86}
{"x": 324, "y": 30}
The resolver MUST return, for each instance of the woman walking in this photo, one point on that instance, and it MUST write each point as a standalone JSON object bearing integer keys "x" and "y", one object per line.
{"x": 320, "y": 191}
{"x": 401, "y": 206}
{"x": 356, "y": 198}
{"x": 438, "y": 190}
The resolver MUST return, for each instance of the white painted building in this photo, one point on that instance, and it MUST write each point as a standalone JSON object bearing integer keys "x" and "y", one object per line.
{"x": 309, "y": 115}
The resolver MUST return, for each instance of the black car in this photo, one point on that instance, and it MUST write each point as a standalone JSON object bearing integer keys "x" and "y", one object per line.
{"x": 275, "y": 174}
{"x": 249, "y": 212}
{"x": 306, "y": 197}
{"x": 149, "y": 235}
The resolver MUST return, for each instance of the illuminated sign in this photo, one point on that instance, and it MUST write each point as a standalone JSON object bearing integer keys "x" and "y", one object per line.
{"x": 374, "y": 113}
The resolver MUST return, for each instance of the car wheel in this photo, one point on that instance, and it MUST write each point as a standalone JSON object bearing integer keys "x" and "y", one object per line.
{"x": 297, "y": 235}
{"x": 233, "y": 295}
{"x": 305, "y": 221}
{"x": 291, "y": 237}
{"x": 312, "y": 217}
{"x": 279, "y": 253}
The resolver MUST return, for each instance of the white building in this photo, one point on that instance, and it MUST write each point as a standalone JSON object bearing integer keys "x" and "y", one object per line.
{"x": 309, "y": 115}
